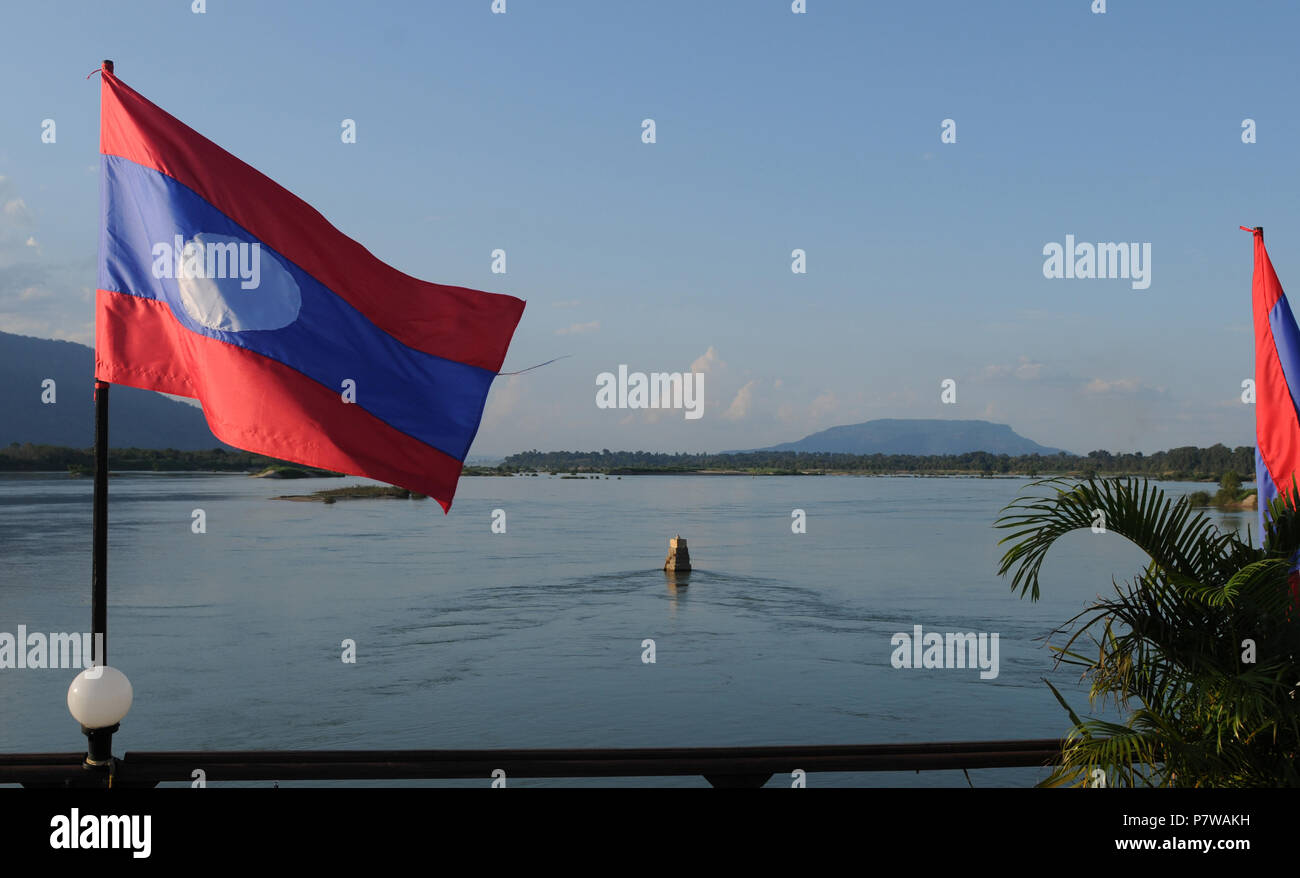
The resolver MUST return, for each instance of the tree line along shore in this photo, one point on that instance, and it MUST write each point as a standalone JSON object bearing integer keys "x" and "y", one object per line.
{"x": 1181, "y": 464}
{"x": 1178, "y": 464}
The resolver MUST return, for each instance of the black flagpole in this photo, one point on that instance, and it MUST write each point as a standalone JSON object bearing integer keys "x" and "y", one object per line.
{"x": 100, "y": 741}
{"x": 99, "y": 527}
{"x": 99, "y": 524}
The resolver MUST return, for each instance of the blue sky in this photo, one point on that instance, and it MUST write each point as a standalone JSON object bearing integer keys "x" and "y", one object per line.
{"x": 775, "y": 131}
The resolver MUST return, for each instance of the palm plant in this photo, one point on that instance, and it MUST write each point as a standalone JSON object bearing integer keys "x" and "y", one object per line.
{"x": 1198, "y": 652}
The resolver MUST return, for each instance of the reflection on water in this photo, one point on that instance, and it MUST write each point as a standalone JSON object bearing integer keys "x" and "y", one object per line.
{"x": 677, "y": 583}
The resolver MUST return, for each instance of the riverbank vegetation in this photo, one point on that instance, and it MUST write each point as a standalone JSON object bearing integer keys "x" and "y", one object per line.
{"x": 1184, "y": 464}
{"x": 1229, "y": 496}
{"x": 354, "y": 492}
{"x": 1199, "y": 650}
{"x": 81, "y": 461}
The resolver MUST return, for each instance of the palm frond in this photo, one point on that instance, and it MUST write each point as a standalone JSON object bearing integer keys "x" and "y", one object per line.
{"x": 1198, "y": 650}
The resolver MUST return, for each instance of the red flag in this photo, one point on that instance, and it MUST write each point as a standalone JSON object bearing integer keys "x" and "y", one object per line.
{"x": 216, "y": 283}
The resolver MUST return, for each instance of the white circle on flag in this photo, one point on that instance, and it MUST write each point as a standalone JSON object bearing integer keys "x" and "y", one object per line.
{"x": 235, "y": 286}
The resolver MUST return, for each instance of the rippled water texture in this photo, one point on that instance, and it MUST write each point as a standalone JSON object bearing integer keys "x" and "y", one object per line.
{"x": 533, "y": 638}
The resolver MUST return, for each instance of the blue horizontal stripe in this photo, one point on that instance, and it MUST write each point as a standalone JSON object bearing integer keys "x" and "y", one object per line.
{"x": 1286, "y": 338}
{"x": 437, "y": 401}
{"x": 1267, "y": 491}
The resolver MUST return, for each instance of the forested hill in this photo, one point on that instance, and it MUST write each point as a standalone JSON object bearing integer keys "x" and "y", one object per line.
{"x": 1178, "y": 463}
{"x": 47, "y": 398}
{"x": 923, "y": 436}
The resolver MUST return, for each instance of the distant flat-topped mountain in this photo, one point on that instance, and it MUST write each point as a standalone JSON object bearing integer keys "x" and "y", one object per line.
{"x": 137, "y": 418}
{"x": 918, "y": 436}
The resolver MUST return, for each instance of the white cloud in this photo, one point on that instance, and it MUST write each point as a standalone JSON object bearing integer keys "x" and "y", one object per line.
{"x": 38, "y": 295}
{"x": 16, "y": 209}
{"x": 741, "y": 405}
{"x": 1121, "y": 385}
{"x": 825, "y": 404}
{"x": 20, "y": 324}
{"x": 503, "y": 399}
{"x": 579, "y": 328}
{"x": 1026, "y": 370}
{"x": 707, "y": 361}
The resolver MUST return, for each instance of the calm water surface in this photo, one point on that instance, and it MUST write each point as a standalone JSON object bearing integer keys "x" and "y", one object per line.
{"x": 533, "y": 638}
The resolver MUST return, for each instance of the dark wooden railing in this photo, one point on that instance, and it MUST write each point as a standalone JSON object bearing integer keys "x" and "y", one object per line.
{"x": 720, "y": 766}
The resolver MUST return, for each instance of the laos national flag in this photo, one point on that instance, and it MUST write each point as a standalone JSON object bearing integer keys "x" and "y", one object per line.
{"x": 1277, "y": 384}
{"x": 218, "y": 284}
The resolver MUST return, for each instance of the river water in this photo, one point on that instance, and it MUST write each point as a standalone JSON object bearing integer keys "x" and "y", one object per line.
{"x": 466, "y": 638}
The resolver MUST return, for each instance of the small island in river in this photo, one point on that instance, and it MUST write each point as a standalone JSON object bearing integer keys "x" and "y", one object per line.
{"x": 354, "y": 492}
